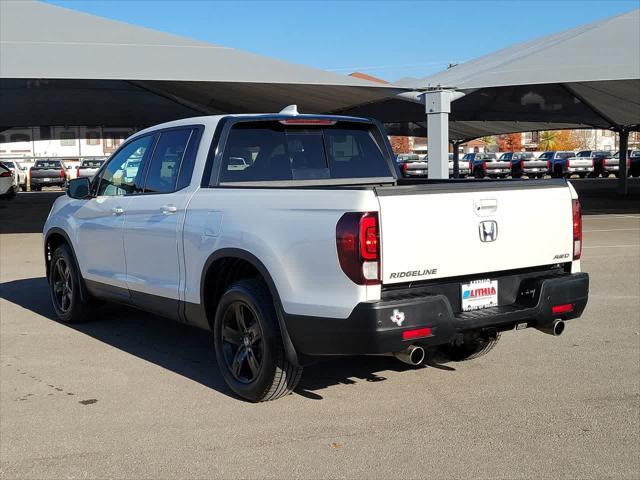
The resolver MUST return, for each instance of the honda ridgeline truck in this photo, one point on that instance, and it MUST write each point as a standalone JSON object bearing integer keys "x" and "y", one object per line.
{"x": 311, "y": 246}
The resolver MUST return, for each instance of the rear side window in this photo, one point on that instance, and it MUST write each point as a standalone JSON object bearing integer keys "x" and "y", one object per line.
{"x": 269, "y": 151}
{"x": 47, "y": 164}
{"x": 164, "y": 168}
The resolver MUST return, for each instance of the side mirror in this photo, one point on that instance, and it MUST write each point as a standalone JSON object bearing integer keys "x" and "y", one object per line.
{"x": 78, "y": 188}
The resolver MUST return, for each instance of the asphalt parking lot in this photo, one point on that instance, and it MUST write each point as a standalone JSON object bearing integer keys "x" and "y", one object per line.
{"x": 130, "y": 395}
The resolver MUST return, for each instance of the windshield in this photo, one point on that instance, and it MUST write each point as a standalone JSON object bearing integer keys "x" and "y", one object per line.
{"x": 9, "y": 164}
{"x": 546, "y": 155}
{"x": 48, "y": 164}
{"x": 564, "y": 154}
{"x": 92, "y": 163}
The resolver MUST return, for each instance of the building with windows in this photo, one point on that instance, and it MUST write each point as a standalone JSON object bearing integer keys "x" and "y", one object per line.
{"x": 62, "y": 142}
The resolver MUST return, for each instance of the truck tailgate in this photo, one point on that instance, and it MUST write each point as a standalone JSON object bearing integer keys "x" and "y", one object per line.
{"x": 442, "y": 230}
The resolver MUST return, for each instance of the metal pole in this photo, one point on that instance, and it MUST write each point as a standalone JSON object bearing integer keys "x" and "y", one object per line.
{"x": 623, "y": 184}
{"x": 456, "y": 159}
{"x": 438, "y": 107}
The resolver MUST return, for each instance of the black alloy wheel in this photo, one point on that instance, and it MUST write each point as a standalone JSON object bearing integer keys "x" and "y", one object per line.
{"x": 242, "y": 341}
{"x": 249, "y": 346}
{"x": 65, "y": 284}
{"x": 62, "y": 285}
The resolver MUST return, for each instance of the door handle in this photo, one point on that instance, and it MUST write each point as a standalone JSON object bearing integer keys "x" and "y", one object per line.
{"x": 117, "y": 211}
{"x": 168, "y": 209}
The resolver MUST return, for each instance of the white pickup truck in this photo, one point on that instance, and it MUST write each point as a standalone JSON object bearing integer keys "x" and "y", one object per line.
{"x": 317, "y": 248}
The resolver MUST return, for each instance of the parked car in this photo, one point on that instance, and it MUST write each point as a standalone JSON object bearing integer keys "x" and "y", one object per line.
{"x": 361, "y": 262}
{"x": 46, "y": 173}
{"x": 478, "y": 163}
{"x": 598, "y": 157}
{"x": 8, "y": 184}
{"x": 420, "y": 167}
{"x": 89, "y": 167}
{"x": 70, "y": 167}
{"x": 565, "y": 163}
{"x": 517, "y": 161}
{"x": 612, "y": 164}
{"x": 18, "y": 171}
{"x": 412, "y": 165}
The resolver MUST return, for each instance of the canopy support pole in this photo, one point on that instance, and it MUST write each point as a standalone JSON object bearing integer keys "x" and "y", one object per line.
{"x": 623, "y": 181}
{"x": 456, "y": 157}
{"x": 438, "y": 107}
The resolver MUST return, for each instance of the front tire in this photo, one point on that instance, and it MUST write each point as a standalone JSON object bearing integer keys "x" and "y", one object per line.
{"x": 248, "y": 344}
{"x": 64, "y": 287}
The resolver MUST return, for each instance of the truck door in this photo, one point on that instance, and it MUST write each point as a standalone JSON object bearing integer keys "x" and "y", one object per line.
{"x": 154, "y": 219}
{"x": 100, "y": 221}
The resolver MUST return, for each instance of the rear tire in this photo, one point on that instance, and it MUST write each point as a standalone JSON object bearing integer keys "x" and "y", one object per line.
{"x": 248, "y": 344}
{"x": 65, "y": 288}
{"x": 474, "y": 346}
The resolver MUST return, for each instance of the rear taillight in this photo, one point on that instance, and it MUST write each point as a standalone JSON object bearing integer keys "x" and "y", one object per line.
{"x": 484, "y": 166}
{"x": 521, "y": 165}
{"x": 577, "y": 229}
{"x": 358, "y": 243}
{"x": 61, "y": 173}
{"x": 549, "y": 165}
{"x": 5, "y": 174}
{"x": 593, "y": 163}
{"x": 470, "y": 166}
{"x": 404, "y": 169}
{"x": 78, "y": 172}
{"x": 567, "y": 163}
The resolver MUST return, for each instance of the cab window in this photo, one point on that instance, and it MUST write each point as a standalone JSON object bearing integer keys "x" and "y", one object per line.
{"x": 123, "y": 173}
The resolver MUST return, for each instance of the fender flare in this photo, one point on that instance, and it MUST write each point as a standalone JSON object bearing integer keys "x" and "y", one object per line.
{"x": 59, "y": 231}
{"x": 290, "y": 350}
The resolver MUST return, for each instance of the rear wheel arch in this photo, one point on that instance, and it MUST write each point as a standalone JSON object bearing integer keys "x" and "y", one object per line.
{"x": 229, "y": 265}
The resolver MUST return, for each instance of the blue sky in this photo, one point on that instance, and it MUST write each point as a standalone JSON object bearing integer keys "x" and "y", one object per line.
{"x": 386, "y": 39}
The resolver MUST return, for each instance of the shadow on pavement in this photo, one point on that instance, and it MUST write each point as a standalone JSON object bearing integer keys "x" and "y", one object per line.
{"x": 600, "y": 196}
{"x": 188, "y": 351}
{"x": 27, "y": 212}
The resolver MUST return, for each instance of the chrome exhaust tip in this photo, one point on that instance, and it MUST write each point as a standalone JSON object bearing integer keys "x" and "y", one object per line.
{"x": 412, "y": 355}
{"x": 555, "y": 328}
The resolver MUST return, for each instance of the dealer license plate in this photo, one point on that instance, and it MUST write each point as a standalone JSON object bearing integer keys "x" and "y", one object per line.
{"x": 479, "y": 294}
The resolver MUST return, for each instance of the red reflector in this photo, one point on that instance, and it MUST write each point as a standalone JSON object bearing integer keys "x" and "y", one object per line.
{"x": 564, "y": 308}
{"x": 417, "y": 333}
{"x": 5, "y": 174}
{"x": 307, "y": 121}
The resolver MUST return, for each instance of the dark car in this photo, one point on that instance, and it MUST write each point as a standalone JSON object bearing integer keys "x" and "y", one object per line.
{"x": 478, "y": 162}
{"x": 611, "y": 164}
{"x": 517, "y": 160}
{"x": 46, "y": 173}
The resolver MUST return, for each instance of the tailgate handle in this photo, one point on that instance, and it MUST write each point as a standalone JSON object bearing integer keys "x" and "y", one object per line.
{"x": 486, "y": 206}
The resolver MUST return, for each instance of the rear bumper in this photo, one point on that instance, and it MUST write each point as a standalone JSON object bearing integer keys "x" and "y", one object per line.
{"x": 369, "y": 329}
{"x": 50, "y": 181}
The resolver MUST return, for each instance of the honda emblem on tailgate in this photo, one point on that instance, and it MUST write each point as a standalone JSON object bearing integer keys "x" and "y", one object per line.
{"x": 488, "y": 231}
